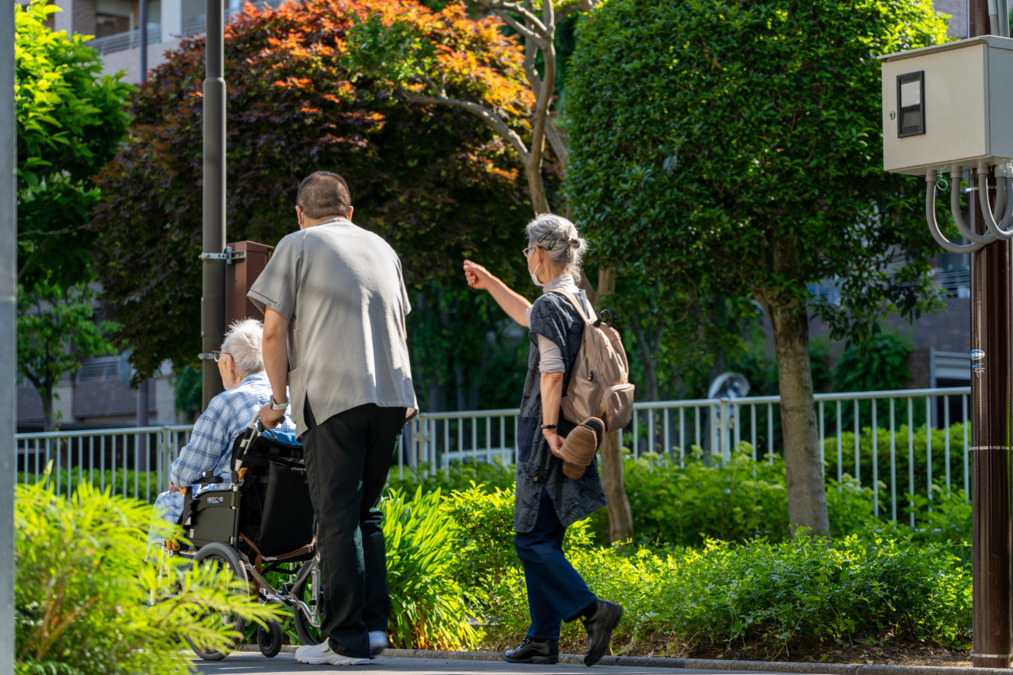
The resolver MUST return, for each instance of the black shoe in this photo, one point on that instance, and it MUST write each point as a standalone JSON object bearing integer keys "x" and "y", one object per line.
{"x": 599, "y": 630}
{"x": 530, "y": 651}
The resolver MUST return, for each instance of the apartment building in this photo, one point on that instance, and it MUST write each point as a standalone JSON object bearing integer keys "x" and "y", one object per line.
{"x": 116, "y": 25}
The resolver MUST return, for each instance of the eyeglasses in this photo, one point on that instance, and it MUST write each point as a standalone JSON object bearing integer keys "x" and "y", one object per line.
{"x": 218, "y": 354}
{"x": 528, "y": 250}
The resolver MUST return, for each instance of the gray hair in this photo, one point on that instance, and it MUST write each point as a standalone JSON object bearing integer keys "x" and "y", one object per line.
{"x": 560, "y": 239}
{"x": 244, "y": 342}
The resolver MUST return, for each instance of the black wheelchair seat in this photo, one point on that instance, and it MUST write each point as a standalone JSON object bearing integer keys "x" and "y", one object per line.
{"x": 266, "y": 510}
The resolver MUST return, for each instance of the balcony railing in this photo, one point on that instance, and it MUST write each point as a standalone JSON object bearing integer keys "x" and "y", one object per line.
{"x": 198, "y": 24}
{"x": 130, "y": 39}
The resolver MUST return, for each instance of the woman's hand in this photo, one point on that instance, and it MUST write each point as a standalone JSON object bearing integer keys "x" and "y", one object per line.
{"x": 554, "y": 440}
{"x": 511, "y": 302}
{"x": 477, "y": 276}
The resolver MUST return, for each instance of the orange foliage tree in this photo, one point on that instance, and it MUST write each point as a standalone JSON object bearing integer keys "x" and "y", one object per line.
{"x": 438, "y": 63}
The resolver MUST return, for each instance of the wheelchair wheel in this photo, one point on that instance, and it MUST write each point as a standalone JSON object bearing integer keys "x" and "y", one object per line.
{"x": 270, "y": 639}
{"x": 307, "y": 612}
{"x": 221, "y": 557}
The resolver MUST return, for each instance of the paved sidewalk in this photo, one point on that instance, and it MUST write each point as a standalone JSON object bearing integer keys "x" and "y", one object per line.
{"x": 402, "y": 661}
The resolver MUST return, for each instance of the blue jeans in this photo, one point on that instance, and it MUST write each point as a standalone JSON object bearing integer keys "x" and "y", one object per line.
{"x": 556, "y": 593}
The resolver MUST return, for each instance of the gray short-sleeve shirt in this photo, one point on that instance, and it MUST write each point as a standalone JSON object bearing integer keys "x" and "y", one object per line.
{"x": 341, "y": 289}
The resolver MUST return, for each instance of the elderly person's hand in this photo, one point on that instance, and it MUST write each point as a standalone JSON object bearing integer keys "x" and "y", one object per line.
{"x": 477, "y": 276}
{"x": 270, "y": 417}
{"x": 555, "y": 442}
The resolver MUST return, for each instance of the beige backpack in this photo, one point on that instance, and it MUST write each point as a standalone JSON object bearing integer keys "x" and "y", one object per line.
{"x": 600, "y": 381}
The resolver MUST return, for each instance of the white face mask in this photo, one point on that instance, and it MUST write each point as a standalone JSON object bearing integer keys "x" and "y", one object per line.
{"x": 534, "y": 278}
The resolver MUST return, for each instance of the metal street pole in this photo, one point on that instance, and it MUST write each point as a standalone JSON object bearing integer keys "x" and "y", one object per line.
{"x": 144, "y": 41}
{"x": 992, "y": 573}
{"x": 8, "y": 334}
{"x": 213, "y": 301}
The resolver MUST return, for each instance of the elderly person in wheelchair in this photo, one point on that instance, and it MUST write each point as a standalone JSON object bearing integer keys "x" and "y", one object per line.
{"x": 247, "y": 389}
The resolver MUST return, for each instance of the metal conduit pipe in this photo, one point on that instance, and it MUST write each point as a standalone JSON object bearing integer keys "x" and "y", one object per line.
{"x": 997, "y": 229}
{"x": 930, "y": 217}
{"x": 1004, "y": 194}
{"x": 958, "y": 218}
{"x": 1000, "y": 194}
{"x": 1007, "y": 193}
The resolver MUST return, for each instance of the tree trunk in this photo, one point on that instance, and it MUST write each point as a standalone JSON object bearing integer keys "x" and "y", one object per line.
{"x": 539, "y": 201}
{"x": 48, "y": 424}
{"x": 807, "y": 497}
{"x": 647, "y": 359}
{"x": 620, "y": 514}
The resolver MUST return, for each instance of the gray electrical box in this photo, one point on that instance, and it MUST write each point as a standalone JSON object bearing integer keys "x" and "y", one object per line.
{"x": 948, "y": 104}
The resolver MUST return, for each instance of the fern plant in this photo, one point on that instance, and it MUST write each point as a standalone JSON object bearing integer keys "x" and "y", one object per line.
{"x": 91, "y": 599}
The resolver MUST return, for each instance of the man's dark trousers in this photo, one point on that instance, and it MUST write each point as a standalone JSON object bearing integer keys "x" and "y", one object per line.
{"x": 348, "y": 457}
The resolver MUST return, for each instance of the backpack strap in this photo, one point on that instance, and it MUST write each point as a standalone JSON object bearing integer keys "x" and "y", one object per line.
{"x": 573, "y": 301}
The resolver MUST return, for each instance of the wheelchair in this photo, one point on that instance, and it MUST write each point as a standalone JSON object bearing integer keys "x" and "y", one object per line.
{"x": 261, "y": 524}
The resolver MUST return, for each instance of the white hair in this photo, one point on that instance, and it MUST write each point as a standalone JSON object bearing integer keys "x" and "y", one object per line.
{"x": 560, "y": 239}
{"x": 244, "y": 342}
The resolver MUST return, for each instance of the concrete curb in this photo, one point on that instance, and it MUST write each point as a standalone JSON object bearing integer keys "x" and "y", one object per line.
{"x": 714, "y": 664}
{"x": 696, "y": 664}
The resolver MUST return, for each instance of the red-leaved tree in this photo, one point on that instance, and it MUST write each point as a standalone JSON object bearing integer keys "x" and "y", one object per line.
{"x": 436, "y": 182}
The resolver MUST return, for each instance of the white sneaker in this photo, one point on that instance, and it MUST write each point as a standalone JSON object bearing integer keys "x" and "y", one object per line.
{"x": 377, "y": 643}
{"x": 322, "y": 654}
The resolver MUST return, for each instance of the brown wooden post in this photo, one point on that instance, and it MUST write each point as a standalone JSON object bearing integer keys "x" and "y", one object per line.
{"x": 240, "y": 275}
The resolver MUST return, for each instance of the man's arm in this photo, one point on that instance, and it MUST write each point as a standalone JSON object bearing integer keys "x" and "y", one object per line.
{"x": 275, "y": 364}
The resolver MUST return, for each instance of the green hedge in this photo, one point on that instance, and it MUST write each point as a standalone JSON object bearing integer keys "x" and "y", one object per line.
{"x": 902, "y": 438}
{"x": 733, "y": 500}
{"x": 866, "y": 585}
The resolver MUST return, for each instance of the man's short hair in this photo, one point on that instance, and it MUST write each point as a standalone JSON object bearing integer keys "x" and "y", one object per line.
{"x": 323, "y": 194}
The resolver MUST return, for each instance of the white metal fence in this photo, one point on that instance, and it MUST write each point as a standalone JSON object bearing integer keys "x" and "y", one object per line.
{"x": 135, "y": 461}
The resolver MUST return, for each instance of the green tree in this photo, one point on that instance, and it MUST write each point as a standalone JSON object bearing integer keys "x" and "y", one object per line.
{"x": 737, "y": 145}
{"x": 56, "y": 330}
{"x": 70, "y": 119}
{"x": 435, "y": 182}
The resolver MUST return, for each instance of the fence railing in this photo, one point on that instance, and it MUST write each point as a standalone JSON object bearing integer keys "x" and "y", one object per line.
{"x": 891, "y": 462}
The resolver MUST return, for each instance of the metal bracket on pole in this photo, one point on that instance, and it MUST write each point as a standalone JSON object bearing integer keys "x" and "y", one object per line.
{"x": 229, "y": 256}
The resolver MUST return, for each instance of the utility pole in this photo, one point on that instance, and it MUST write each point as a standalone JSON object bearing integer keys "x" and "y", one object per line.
{"x": 144, "y": 41}
{"x": 8, "y": 332}
{"x": 213, "y": 257}
{"x": 992, "y": 572}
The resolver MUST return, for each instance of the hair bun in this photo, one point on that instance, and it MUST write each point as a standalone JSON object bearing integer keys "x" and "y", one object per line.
{"x": 575, "y": 242}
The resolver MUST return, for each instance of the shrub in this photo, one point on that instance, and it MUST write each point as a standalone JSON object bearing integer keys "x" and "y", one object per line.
{"x": 88, "y": 600}
{"x": 142, "y": 485}
{"x": 708, "y": 497}
{"x": 774, "y": 593}
{"x": 924, "y": 471}
{"x": 484, "y": 517}
{"x": 460, "y": 476}
{"x": 428, "y": 609}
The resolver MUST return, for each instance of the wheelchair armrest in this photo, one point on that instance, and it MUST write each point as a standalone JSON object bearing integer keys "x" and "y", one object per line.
{"x": 208, "y": 479}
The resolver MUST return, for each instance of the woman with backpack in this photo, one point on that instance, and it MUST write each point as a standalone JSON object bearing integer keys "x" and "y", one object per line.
{"x": 557, "y": 476}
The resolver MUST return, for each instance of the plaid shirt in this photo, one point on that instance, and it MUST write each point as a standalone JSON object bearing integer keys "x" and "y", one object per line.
{"x": 214, "y": 433}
